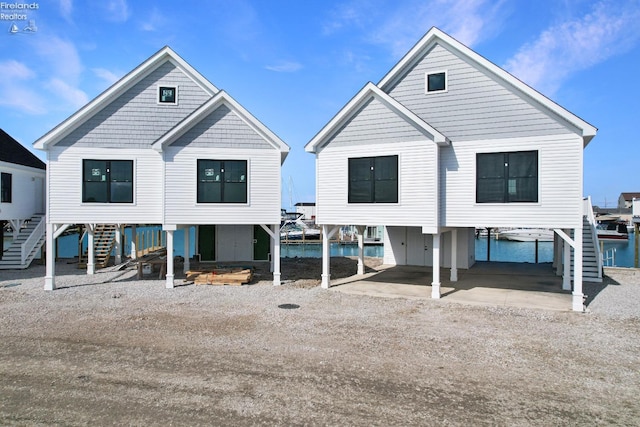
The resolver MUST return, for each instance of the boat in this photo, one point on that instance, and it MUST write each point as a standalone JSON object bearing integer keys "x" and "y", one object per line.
{"x": 293, "y": 231}
{"x": 527, "y": 235}
{"x": 613, "y": 230}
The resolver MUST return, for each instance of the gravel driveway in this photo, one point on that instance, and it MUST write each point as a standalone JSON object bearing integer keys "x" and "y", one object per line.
{"x": 111, "y": 350}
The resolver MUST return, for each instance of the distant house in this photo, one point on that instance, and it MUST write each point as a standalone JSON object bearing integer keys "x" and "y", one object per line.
{"x": 446, "y": 142}
{"x": 307, "y": 209}
{"x": 625, "y": 200}
{"x": 22, "y": 202}
{"x": 165, "y": 146}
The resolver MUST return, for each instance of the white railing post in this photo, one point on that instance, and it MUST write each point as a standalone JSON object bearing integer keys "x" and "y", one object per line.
{"x": 27, "y": 246}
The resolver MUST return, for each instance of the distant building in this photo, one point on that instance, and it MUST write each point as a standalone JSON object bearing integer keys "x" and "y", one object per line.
{"x": 307, "y": 209}
{"x": 626, "y": 200}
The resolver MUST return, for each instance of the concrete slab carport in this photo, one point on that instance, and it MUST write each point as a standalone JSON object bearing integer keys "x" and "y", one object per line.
{"x": 486, "y": 283}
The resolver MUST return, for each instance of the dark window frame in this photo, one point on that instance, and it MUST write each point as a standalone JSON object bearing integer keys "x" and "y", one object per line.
{"x": 6, "y": 187}
{"x": 229, "y": 185}
{"x": 173, "y": 100}
{"x": 507, "y": 177}
{"x": 114, "y": 182}
{"x": 378, "y": 184}
{"x": 442, "y": 86}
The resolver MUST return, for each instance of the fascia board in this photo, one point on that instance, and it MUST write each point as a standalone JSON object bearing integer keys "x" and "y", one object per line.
{"x": 355, "y": 103}
{"x": 434, "y": 35}
{"x": 205, "y": 109}
{"x": 118, "y": 88}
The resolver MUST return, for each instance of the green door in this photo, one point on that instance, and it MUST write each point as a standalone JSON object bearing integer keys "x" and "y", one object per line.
{"x": 261, "y": 244}
{"x": 207, "y": 242}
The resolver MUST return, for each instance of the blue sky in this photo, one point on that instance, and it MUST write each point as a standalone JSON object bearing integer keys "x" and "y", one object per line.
{"x": 294, "y": 64}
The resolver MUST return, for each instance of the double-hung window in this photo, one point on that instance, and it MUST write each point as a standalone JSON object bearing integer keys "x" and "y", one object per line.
{"x": 107, "y": 181}
{"x": 507, "y": 177}
{"x": 373, "y": 179}
{"x": 5, "y": 187}
{"x": 222, "y": 181}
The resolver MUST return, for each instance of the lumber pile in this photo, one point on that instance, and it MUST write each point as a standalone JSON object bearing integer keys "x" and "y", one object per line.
{"x": 221, "y": 276}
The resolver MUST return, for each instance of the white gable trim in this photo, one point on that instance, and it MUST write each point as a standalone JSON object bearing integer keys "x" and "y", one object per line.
{"x": 435, "y": 36}
{"x": 349, "y": 110}
{"x": 221, "y": 98}
{"x": 166, "y": 54}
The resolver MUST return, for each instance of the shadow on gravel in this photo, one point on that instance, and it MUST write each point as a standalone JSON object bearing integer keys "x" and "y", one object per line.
{"x": 591, "y": 290}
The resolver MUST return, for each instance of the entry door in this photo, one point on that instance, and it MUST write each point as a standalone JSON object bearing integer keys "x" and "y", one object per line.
{"x": 261, "y": 244}
{"x": 417, "y": 247}
{"x": 207, "y": 242}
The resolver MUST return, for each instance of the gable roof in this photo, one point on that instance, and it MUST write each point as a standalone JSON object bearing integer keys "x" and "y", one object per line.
{"x": 11, "y": 151}
{"x": 222, "y": 98}
{"x": 435, "y": 36}
{"x": 350, "y": 110}
{"x": 164, "y": 55}
{"x": 630, "y": 196}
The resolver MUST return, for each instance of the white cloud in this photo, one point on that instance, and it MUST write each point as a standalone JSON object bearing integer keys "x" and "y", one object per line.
{"x": 117, "y": 10}
{"x": 561, "y": 50}
{"x": 17, "y": 88}
{"x": 285, "y": 67}
{"x": 106, "y": 75}
{"x": 74, "y": 96}
{"x": 60, "y": 57}
{"x": 402, "y": 24}
{"x": 155, "y": 20}
{"x": 66, "y": 7}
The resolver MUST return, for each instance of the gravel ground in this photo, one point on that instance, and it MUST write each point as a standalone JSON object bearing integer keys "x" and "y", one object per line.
{"x": 109, "y": 349}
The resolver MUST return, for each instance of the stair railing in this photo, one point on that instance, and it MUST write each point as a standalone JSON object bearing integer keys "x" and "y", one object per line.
{"x": 588, "y": 211}
{"x": 31, "y": 242}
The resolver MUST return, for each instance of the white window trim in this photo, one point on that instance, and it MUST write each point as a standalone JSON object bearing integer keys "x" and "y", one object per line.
{"x": 426, "y": 82}
{"x": 158, "y": 94}
{"x": 221, "y": 158}
{"x": 109, "y": 159}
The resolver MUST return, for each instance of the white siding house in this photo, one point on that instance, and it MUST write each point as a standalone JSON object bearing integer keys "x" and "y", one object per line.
{"x": 22, "y": 178}
{"x": 446, "y": 142}
{"x": 165, "y": 146}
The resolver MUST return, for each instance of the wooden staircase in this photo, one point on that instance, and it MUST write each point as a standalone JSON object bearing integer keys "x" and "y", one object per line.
{"x": 26, "y": 246}
{"x": 104, "y": 238}
{"x": 591, "y": 257}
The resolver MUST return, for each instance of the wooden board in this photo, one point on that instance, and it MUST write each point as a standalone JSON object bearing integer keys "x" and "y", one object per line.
{"x": 225, "y": 276}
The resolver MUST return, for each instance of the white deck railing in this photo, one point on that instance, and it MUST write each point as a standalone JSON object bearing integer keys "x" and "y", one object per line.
{"x": 587, "y": 210}
{"x": 31, "y": 242}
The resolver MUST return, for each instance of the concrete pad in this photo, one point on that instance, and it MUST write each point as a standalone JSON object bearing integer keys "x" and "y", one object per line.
{"x": 490, "y": 284}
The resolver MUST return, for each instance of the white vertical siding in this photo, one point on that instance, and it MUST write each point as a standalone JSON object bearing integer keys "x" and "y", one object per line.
{"x": 417, "y": 188}
{"x": 65, "y": 187}
{"x": 476, "y": 105}
{"x": 409, "y": 246}
{"x": 26, "y": 191}
{"x": 263, "y": 205}
{"x": 559, "y": 185}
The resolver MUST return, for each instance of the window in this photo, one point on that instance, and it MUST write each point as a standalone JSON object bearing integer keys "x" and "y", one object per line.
{"x": 167, "y": 95}
{"x": 5, "y": 187}
{"x": 222, "y": 181}
{"x": 436, "y": 82}
{"x": 373, "y": 180}
{"x": 507, "y": 177}
{"x": 107, "y": 181}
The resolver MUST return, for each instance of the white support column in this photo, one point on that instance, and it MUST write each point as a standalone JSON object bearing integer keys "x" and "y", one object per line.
{"x": 49, "y": 278}
{"x": 360, "y": 229}
{"x": 454, "y": 255}
{"x": 326, "y": 264}
{"x": 91, "y": 263}
{"x": 134, "y": 249}
{"x": 275, "y": 256}
{"x": 118, "y": 245}
{"x": 435, "y": 284}
{"x": 169, "y": 283}
{"x": 187, "y": 245}
{"x": 566, "y": 263}
{"x": 578, "y": 297}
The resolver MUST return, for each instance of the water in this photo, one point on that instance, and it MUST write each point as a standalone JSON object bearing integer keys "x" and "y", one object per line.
{"x": 501, "y": 250}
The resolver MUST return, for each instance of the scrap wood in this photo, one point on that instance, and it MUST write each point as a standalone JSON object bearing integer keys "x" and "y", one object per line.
{"x": 224, "y": 276}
